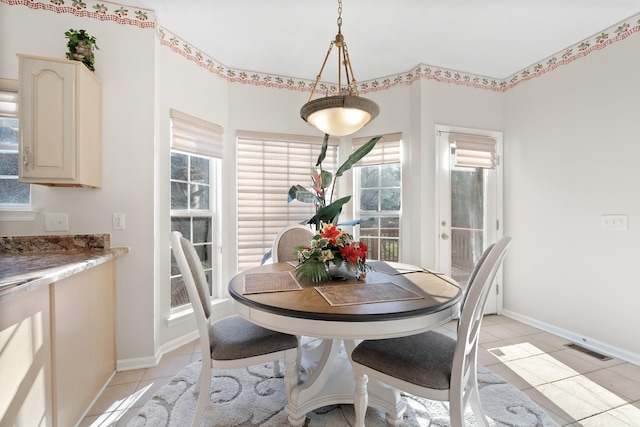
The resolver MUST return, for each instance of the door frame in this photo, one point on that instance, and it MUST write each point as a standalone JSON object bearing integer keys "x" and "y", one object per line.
{"x": 443, "y": 198}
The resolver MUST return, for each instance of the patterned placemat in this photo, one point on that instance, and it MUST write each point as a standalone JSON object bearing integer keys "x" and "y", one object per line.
{"x": 277, "y": 281}
{"x": 351, "y": 294}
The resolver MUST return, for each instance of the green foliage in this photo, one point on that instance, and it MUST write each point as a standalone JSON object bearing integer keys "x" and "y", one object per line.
{"x": 81, "y": 46}
{"x": 312, "y": 270}
{"x": 322, "y": 180}
{"x": 357, "y": 155}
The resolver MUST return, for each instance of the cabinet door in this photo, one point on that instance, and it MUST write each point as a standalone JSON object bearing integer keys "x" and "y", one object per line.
{"x": 47, "y": 113}
{"x": 25, "y": 360}
{"x": 84, "y": 352}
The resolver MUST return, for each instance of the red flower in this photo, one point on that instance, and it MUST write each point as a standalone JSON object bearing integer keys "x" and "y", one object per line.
{"x": 362, "y": 251}
{"x": 350, "y": 253}
{"x": 331, "y": 232}
{"x": 317, "y": 184}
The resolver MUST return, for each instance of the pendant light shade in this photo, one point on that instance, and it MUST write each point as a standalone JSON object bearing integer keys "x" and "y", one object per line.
{"x": 345, "y": 113}
{"x": 339, "y": 115}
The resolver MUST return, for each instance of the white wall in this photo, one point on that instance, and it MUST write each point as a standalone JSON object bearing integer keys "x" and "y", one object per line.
{"x": 452, "y": 105}
{"x": 571, "y": 140}
{"x": 572, "y": 146}
{"x": 125, "y": 66}
{"x": 189, "y": 88}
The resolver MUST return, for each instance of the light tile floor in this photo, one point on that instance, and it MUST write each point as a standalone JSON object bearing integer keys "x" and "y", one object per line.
{"x": 576, "y": 389}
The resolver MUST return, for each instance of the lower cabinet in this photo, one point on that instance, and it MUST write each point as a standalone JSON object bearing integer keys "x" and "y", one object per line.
{"x": 84, "y": 353}
{"x": 25, "y": 360}
{"x": 57, "y": 349}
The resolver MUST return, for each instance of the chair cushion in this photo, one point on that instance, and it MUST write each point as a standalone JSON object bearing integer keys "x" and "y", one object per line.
{"x": 424, "y": 359}
{"x": 236, "y": 338}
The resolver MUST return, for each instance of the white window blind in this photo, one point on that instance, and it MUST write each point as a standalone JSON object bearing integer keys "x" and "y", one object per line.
{"x": 474, "y": 151}
{"x": 386, "y": 151}
{"x": 8, "y": 103}
{"x": 268, "y": 165}
{"x": 195, "y": 136}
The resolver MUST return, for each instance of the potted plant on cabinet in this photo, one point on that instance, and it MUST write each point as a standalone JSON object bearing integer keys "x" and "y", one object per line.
{"x": 81, "y": 46}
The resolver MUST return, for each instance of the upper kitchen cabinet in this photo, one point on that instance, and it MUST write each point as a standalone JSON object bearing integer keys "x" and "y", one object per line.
{"x": 60, "y": 123}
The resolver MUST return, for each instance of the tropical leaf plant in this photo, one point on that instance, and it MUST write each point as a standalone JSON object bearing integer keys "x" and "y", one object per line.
{"x": 323, "y": 180}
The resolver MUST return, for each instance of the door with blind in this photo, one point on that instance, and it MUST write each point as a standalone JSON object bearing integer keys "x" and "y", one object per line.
{"x": 469, "y": 182}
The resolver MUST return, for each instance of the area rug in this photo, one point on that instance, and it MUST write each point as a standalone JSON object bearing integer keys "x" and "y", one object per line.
{"x": 253, "y": 397}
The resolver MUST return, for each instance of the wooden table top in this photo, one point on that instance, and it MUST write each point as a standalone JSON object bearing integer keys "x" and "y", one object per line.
{"x": 435, "y": 292}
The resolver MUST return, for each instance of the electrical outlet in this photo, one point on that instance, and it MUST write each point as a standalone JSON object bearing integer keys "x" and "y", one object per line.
{"x": 56, "y": 221}
{"x": 614, "y": 222}
{"x": 118, "y": 221}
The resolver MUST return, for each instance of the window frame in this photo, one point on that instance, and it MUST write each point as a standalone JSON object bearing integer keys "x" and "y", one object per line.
{"x": 10, "y": 211}
{"x": 386, "y": 152}
{"x": 196, "y": 138}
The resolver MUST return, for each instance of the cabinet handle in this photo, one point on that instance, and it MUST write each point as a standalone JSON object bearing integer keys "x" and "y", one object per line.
{"x": 25, "y": 159}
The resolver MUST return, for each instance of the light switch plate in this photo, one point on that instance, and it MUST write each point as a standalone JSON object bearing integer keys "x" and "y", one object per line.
{"x": 118, "y": 221}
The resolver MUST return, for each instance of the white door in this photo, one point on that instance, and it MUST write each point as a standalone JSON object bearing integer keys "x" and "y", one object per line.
{"x": 469, "y": 185}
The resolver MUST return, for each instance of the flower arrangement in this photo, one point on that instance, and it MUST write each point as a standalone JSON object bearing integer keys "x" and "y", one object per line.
{"x": 331, "y": 247}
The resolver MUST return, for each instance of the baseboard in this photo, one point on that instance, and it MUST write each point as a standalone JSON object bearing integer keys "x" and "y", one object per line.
{"x": 587, "y": 342}
{"x": 176, "y": 343}
{"x": 151, "y": 361}
{"x": 137, "y": 363}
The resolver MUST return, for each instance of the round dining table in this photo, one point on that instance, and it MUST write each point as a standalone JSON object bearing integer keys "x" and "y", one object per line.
{"x": 393, "y": 300}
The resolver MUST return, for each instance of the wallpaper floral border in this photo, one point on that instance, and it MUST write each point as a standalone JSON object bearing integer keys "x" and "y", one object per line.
{"x": 143, "y": 18}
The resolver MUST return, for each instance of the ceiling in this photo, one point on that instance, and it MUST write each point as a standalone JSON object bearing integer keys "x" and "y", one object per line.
{"x": 491, "y": 38}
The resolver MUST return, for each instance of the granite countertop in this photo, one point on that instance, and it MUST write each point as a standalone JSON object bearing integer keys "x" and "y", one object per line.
{"x": 29, "y": 262}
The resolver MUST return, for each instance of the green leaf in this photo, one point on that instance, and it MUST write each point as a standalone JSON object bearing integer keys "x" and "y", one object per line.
{"x": 312, "y": 270}
{"x": 323, "y": 151}
{"x": 327, "y": 177}
{"x": 265, "y": 257}
{"x": 298, "y": 192}
{"x": 357, "y": 155}
{"x": 329, "y": 214}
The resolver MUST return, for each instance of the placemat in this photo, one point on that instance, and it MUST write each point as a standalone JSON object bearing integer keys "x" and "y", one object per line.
{"x": 270, "y": 282}
{"x": 351, "y": 294}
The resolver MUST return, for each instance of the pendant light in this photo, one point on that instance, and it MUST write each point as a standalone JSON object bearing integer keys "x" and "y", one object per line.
{"x": 345, "y": 113}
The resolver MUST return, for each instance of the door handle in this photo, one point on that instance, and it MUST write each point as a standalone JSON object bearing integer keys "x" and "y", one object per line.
{"x": 444, "y": 236}
{"x": 25, "y": 159}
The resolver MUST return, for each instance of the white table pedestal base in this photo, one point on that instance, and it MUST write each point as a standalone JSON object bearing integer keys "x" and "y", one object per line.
{"x": 332, "y": 382}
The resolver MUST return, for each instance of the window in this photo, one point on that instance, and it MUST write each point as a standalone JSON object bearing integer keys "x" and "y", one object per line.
{"x": 196, "y": 154}
{"x": 268, "y": 165}
{"x": 13, "y": 193}
{"x": 378, "y": 197}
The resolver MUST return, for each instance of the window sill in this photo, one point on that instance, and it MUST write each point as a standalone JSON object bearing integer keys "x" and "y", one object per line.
{"x": 185, "y": 313}
{"x": 17, "y": 214}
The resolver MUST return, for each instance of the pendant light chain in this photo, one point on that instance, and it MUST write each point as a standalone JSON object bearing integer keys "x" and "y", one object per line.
{"x": 346, "y": 112}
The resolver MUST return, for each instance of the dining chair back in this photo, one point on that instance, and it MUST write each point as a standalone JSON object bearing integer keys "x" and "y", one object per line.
{"x": 231, "y": 342}
{"x": 284, "y": 245}
{"x": 433, "y": 365}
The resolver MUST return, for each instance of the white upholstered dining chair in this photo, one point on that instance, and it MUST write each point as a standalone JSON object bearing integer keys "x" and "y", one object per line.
{"x": 284, "y": 245}
{"x": 430, "y": 364}
{"x": 231, "y": 342}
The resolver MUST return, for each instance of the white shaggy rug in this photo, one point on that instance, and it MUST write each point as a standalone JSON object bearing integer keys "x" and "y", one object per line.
{"x": 253, "y": 397}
